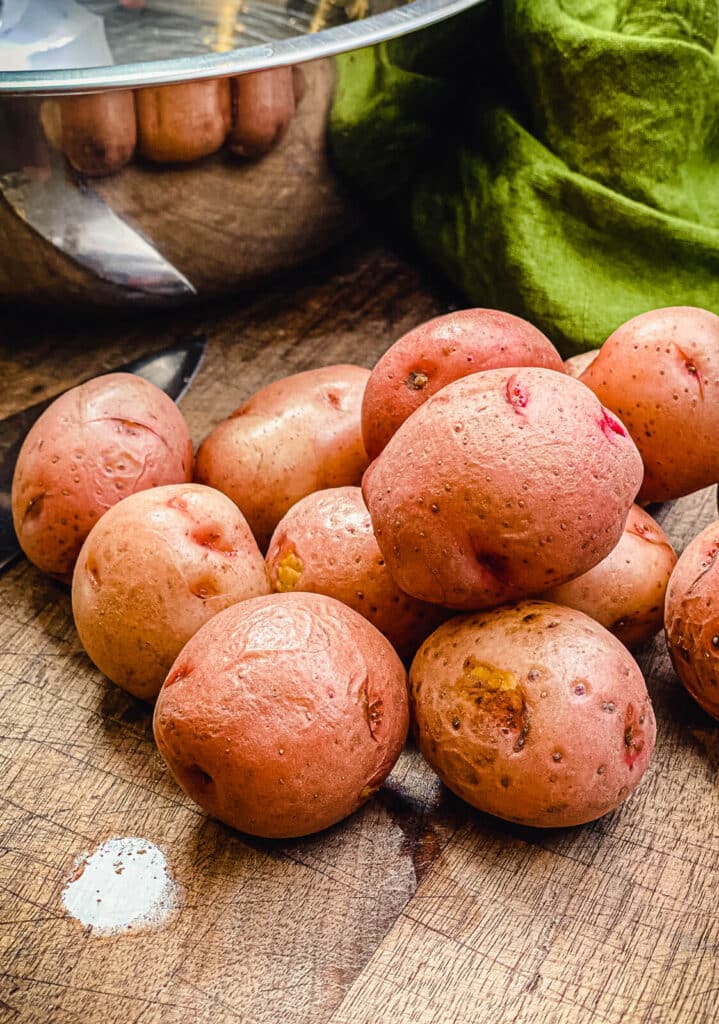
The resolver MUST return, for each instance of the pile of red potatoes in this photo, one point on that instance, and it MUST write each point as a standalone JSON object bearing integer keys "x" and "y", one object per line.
{"x": 466, "y": 508}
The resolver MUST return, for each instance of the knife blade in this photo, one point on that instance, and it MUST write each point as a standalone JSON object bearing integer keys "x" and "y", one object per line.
{"x": 65, "y": 210}
{"x": 172, "y": 370}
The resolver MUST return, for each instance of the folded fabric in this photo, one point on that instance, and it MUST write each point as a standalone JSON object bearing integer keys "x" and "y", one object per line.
{"x": 555, "y": 158}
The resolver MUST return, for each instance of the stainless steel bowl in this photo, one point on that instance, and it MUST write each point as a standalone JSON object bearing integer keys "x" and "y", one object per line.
{"x": 196, "y": 162}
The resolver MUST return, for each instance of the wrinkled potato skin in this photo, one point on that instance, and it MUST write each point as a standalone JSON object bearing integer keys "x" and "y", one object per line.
{"x": 533, "y": 713}
{"x": 325, "y": 545}
{"x": 576, "y": 365}
{"x": 95, "y": 445}
{"x": 625, "y": 591}
{"x": 503, "y": 484}
{"x": 154, "y": 570}
{"x": 298, "y": 435}
{"x": 439, "y": 352}
{"x": 691, "y": 619}
{"x": 660, "y": 374}
{"x": 283, "y": 714}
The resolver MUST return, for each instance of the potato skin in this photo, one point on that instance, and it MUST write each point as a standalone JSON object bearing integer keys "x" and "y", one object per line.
{"x": 501, "y": 485}
{"x": 184, "y": 122}
{"x": 625, "y": 591}
{"x": 95, "y": 445}
{"x": 576, "y": 365}
{"x": 283, "y": 714}
{"x": 660, "y": 374}
{"x": 154, "y": 570}
{"x": 533, "y": 713}
{"x": 298, "y": 435}
{"x": 263, "y": 105}
{"x": 325, "y": 545}
{"x": 691, "y": 619}
{"x": 439, "y": 352}
{"x": 98, "y": 132}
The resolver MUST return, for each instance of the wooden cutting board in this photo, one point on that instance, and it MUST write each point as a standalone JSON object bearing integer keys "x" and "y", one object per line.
{"x": 417, "y": 909}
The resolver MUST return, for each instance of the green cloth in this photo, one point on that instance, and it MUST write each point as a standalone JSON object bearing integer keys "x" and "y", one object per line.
{"x": 555, "y": 158}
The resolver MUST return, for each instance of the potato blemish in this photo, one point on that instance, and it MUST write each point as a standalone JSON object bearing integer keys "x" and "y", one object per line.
{"x": 181, "y": 672}
{"x": 633, "y": 737}
{"x": 368, "y": 792}
{"x": 490, "y": 678}
{"x": 691, "y": 368}
{"x": 33, "y": 509}
{"x": 93, "y": 574}
{"x": 497, "y": 696}
{"x": 645, "y": 531}
{"x": 611, "y": 426}
{"x": 289, "y": 571}
{"x": 210, "y": 536}
{"x": 495, "y": 565}
{"x": 416, "y": 381}
{"x": 517, "y": 394}
{"x": 204, "y": 589}
{"x": 373, "y": 709}
{"x": 705, "y": 565}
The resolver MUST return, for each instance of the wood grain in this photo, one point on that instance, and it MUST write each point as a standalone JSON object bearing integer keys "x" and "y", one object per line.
{"x": 417, "y": 909}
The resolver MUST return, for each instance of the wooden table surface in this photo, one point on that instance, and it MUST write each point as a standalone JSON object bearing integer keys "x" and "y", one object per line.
{"x": 417, "y": 909}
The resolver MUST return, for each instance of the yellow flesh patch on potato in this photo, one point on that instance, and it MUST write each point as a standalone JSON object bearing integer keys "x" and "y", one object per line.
{"x": 368, "y": 791}
{"x": 493, "y": 679}
{"x": 289, "y": 572}
{"x": 490, "y": 701}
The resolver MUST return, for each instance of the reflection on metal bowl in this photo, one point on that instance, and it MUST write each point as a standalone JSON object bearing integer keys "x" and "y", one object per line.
{"x": 157, "y": 180}
{"x": 157, "y": 228}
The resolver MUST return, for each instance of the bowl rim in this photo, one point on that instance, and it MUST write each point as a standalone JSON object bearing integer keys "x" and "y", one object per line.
{"x": 295, "y": 50}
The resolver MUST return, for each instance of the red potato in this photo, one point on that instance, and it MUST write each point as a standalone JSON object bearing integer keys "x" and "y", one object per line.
{"x": 97, "y": 132}
{"x": 325, "y": 545}
{"x": 501, "y": 485}
{"x": 94, "y": 445}
{"x": 298, "y": 435}
{"x": 154, "y": 570}
{"x": 660, "y": 373}
{"x": 576, "y": 365}
{"x": 533, "y": 713}
{"x": 263, "y": 105}
{"x": 182, "y": 123}
{"x": 283, "y": 714}
{"x": 691, "y": 619}
{"x": 439, "y": 352}
{"x": 625, "y": 591}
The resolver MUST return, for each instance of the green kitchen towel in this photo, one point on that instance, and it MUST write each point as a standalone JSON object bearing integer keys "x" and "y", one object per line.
{"x": 555, "y": 158}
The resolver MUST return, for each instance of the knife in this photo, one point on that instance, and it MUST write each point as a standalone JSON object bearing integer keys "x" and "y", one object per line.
{"x": 70, "y": 214}
{"x": 172, "y": 370}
